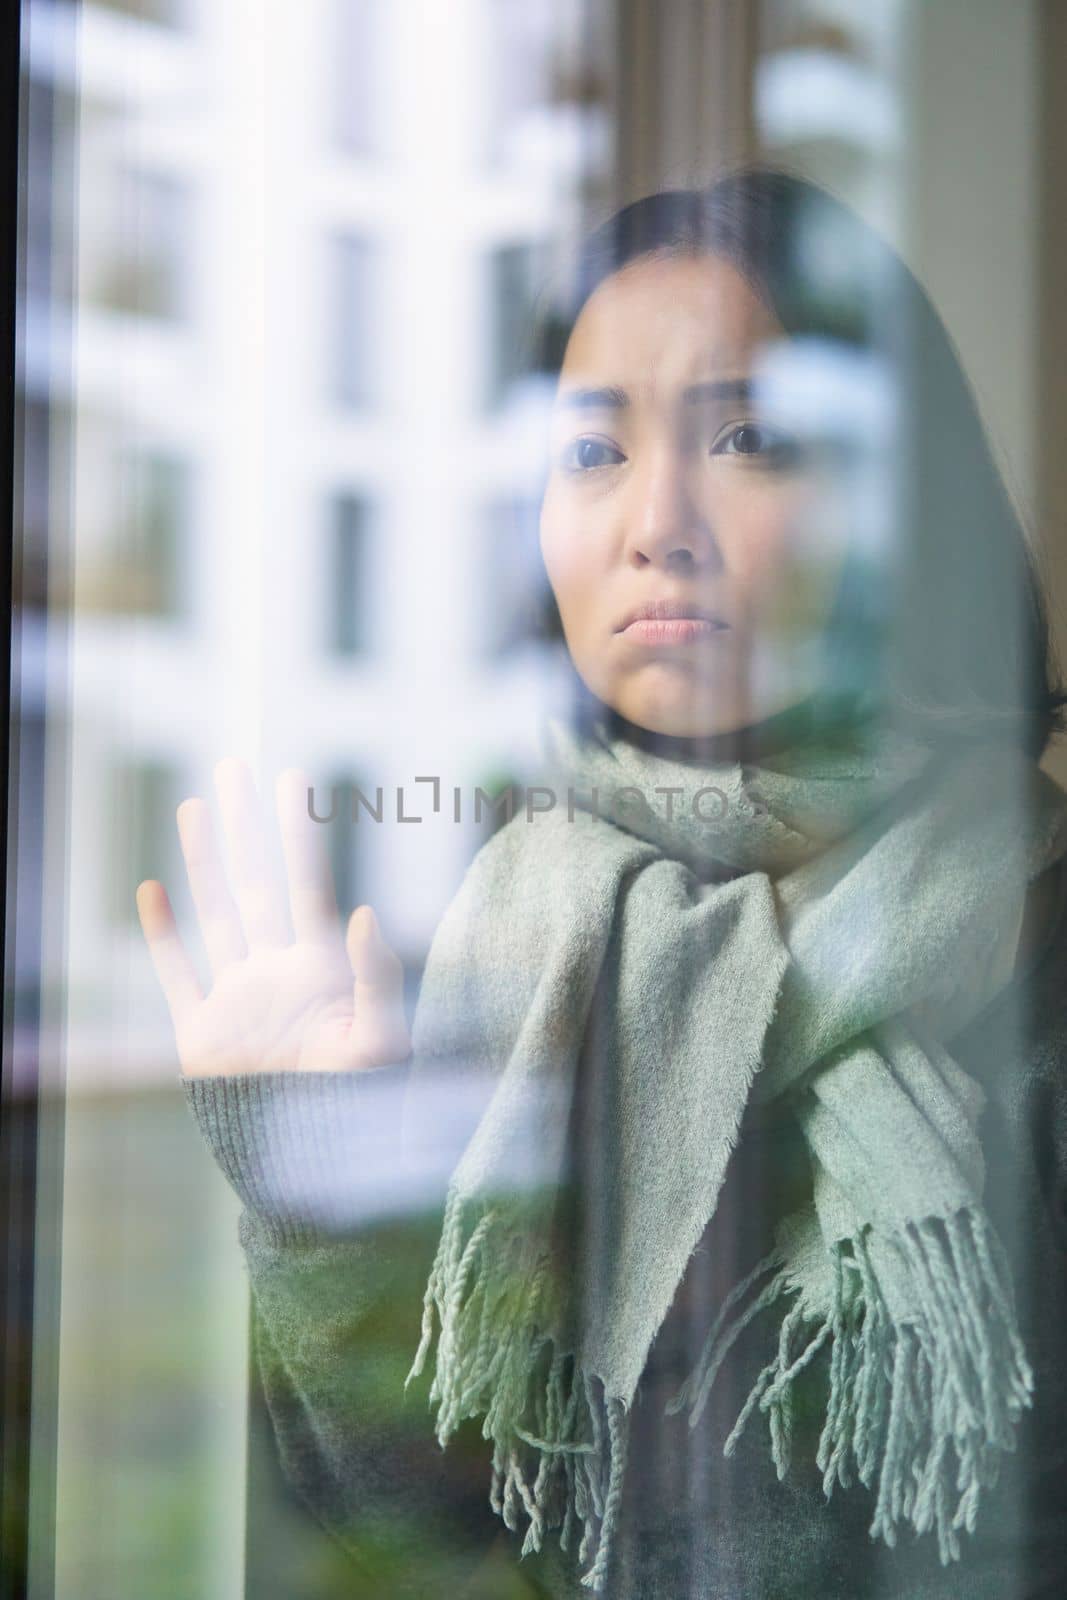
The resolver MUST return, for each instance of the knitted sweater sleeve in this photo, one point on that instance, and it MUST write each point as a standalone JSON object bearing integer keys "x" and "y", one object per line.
{"x": 338, "y": 1247}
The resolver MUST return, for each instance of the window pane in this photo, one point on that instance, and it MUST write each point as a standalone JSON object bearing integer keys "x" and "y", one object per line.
{"x": 351, "y": 333}
{"x": 161, "y": 528}
{"x": 144, "y": 796}
{"x": 515, "y": 281}
{"x": 143, "y": 556}
{"x": 143, "y": 264}
{"x": 348, "y": 577}
{"x": 345, "y": 834}
{"x": 356, "y": 76}
{"x": 515, "y": 596}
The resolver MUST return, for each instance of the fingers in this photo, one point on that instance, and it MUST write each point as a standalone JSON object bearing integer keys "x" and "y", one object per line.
{"x": 220, "y": 924}
{"x": 379, "y": 991}
{"x": 378, "y": 969}
{"x": 260, "y": 905}
{"x": 312, "y": 900}
{"x": 175, "y": 971}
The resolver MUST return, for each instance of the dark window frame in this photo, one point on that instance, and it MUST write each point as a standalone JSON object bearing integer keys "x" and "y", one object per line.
{"x": 37, "y": 136}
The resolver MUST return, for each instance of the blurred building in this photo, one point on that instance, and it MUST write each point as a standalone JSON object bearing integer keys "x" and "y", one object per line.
{"x": 310, "y": 241}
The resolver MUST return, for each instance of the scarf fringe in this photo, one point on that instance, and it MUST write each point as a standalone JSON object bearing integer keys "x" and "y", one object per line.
{"x": 924, "y": 1405}
{"x": 559, "y": 1442}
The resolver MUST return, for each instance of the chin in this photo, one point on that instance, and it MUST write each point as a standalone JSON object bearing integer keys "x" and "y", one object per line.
{"x": 681, "y": 706}
{"x": 662, "y": 703}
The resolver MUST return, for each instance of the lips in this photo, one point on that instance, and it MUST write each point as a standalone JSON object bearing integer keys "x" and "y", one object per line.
{"x": 671, "y": 611}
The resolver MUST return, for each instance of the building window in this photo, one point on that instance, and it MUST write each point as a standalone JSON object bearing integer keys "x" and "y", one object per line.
{"x": 143, "y": 797}
{"x": 160, "y": 523}
{"x": 355, "y": 71}
{"x": 344, "y": 835}
{"x": 142, "y": 565}
{"x": 516, "y": 275}
{"x": 146, "y": 270}
{"x": 352, "y": 310}
{"x": 516, "y": 599}
{"x": 348, "y": 576}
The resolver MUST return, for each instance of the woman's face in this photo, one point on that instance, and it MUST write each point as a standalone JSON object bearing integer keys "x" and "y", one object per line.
{"x": 672, "y": 490}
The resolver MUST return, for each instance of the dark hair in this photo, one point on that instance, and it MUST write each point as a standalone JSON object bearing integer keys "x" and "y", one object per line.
{"x": 946, "y": 626}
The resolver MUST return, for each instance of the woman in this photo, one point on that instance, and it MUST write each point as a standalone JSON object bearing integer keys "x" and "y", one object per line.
{"x": 759, "y": 1022}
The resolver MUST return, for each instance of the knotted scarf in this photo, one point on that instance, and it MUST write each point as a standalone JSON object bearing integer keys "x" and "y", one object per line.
{"x": 813, "y": 925}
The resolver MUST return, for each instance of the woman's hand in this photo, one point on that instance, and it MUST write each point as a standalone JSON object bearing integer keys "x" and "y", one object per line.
{"x": 314, "y": 1002}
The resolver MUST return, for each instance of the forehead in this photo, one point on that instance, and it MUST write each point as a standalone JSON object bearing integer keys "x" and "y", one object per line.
{"x": 665, "y": 321}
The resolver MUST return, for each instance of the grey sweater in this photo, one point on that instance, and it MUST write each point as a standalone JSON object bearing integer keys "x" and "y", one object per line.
{"x": 339, "y": 1236}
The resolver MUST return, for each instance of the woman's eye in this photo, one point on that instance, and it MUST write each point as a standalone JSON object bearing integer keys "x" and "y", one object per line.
{"x": 582, "y": 455}
{"x": 757, "y": 441}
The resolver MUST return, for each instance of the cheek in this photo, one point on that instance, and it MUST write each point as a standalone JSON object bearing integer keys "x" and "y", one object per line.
{"x": 783, "y": 541}
{"x": 570, "y": 557}
{"x": 555, "y": 555}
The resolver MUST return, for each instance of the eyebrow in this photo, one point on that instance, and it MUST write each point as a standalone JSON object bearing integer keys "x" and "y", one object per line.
{"x": 606, "y": 399}
{"x": 610, "y": 398}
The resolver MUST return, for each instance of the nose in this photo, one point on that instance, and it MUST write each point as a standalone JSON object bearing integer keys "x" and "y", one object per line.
{"x": 667, "y": 525}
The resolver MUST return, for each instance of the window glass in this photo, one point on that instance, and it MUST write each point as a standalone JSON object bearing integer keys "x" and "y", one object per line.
{"x": 351, "y": 601}
{"x": 515, "y": 600}
{"x": 356, "y": 76}
{"x": 515, "y": 272}
{"x": 346, "y": 803}
{"x": 143, "y": 797}
{"x": 352, "y": 330}
{"x": 536, "y": 800}
{"x": 143, "y": 269}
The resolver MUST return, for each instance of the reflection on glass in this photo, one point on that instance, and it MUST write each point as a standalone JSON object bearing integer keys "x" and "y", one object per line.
{"x": 514, "y": 592}
{"x": 143, "y": 796}
{"x": 352, "y": 331}
{"x": 515, "y": 274}
{"x": 146, "y": 270}
{"x": 311, "y": 425}
{"x": 354, "y": 52}
{"x": 346, "y": 821}
{"x": 350, "y": 596}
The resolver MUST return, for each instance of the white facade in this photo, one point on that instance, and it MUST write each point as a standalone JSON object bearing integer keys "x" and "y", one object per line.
{"x": 236, "y": 407}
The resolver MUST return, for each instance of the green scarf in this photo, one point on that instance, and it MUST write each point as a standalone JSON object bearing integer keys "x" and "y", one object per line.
{"x": 814, "y": 926}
